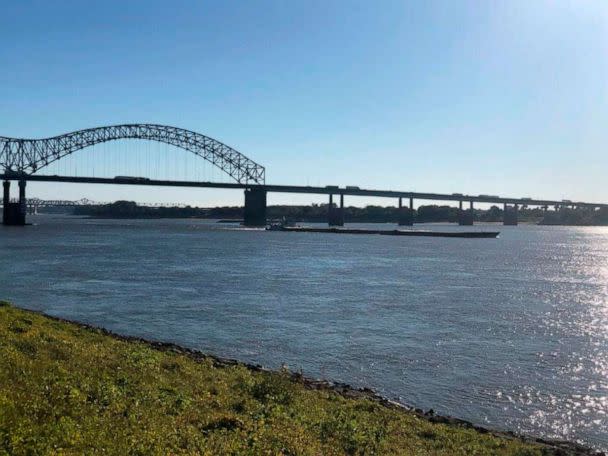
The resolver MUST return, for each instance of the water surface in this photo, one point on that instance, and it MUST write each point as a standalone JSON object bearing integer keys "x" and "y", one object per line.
{"x": 509, "y": 333}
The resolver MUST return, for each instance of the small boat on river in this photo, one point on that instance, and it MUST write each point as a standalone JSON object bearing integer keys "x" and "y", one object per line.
{"x": 280, "y": 226}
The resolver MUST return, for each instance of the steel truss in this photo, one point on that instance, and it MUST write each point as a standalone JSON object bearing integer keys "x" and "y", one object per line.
{"x": 26, "y": 156}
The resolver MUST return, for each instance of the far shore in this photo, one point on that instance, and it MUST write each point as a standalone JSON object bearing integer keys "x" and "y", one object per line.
{"x": 316, "y": 213}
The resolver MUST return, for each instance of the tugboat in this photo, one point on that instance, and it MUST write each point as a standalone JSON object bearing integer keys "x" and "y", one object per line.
{"x": 275, "y": 227}
{"x": 280, "y": 226}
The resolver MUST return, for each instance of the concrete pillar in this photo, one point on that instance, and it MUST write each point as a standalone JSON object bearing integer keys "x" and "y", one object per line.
{"x": 406, "y": 214}
{"x": 465, "y": 218}
{"x": 335, "y": 215}
{"x": 22, "y": 200}
{"x": 5, "y": 201}
{"x": 460, "y": 214}
{"x": 510, "y": 215}
{"x": 255, "y": 207}
{"x": 13, "y": 213}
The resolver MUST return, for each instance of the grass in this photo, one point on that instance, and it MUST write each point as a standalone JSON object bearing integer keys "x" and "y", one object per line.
{"x": 66, "y": 389}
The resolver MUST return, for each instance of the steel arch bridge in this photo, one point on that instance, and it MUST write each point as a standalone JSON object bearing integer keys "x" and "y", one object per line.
{"x": 26, "y": 156}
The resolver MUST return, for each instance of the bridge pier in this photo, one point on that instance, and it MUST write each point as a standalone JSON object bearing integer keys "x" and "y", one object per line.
{"x": 465, "y": 218}
{"x": 6, "y": 185}
{"x": 406, "y": 214}
{"x": 22, "y": 200}
{"x": 510, "y": 215}
{"x": 255, "y": 207}
{"x": 13, "y": 213}
{"x": 335, "y": 215}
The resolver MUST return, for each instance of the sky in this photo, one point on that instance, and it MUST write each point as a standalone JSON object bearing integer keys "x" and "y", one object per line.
{"x": 506, "y": 98}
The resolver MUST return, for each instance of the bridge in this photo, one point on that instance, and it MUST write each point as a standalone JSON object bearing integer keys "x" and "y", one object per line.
{"x": 22, "y": 159}
{"x": 34, "y": 204}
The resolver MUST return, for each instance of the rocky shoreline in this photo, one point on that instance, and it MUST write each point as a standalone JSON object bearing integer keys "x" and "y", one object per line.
{"x": 552, "y": 446}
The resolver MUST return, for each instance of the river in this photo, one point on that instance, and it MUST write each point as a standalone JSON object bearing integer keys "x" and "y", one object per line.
{"x": 510, "y": 333}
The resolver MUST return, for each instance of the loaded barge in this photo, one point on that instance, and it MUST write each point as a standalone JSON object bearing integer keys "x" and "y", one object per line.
{"x": 450, "y": 234}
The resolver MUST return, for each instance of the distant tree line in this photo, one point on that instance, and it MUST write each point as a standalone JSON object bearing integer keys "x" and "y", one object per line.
{"x": 370, "y": 214}
{"x": 130, "y": 209}
{"x": 374, "y": 214}
{"x": 582, "y": 216}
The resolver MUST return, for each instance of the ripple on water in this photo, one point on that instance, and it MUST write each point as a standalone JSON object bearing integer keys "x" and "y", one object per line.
{"x": 509, "y": 333}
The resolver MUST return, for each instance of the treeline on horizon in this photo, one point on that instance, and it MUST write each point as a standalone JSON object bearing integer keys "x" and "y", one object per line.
{"x": 369, "y": 214}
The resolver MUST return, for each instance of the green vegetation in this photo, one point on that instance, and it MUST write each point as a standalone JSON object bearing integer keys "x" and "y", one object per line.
{"x": 580, "y": 217}
{"x": 68, "y": 389}
{"x": 130, "y": 209}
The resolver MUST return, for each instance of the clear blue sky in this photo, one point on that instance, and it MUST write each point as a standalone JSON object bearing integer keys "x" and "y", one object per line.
{"x": 496, "y": 97}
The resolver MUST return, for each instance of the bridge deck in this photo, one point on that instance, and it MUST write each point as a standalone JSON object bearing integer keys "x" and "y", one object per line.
{"x": 306, "y": 189}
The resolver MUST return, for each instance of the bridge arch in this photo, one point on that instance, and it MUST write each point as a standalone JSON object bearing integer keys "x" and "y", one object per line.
{"x": 27, "y": 156}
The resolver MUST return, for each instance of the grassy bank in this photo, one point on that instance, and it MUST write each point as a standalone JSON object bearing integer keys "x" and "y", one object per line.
{"x": 69, "y": 389}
